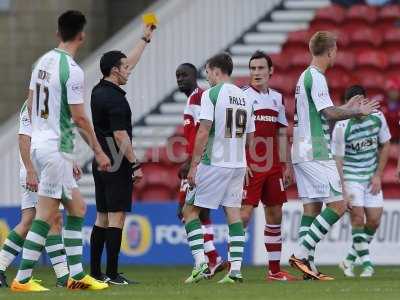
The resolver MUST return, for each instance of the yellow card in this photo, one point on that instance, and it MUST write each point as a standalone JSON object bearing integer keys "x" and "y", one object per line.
{"x": 150, "y": 19}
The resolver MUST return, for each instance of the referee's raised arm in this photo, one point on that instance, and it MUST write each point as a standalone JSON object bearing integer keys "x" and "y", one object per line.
{"x": 112, "y": 120}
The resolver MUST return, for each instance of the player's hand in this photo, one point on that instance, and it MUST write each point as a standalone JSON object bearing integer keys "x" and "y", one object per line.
{"x": 376, "y": 185}
{"x": 347, "y": 199}
{"x": 137, "y": 175}
{"x": 249, "y": 174}
{"x": 77, "y": 171}
{"x": 148, "y": 31}
{"x": 104, "y": 163}
{"x": 32, "y": 181}
{"x": 354, "y": 102}
{"x": 288, "y": 176}
{"x": 192, "y": 176}
{"x": 368, "y": 107}
{"x": 184, "y": 170}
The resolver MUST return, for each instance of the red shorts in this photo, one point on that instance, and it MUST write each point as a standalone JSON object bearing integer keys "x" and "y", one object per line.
{"x": 267, "y": 187}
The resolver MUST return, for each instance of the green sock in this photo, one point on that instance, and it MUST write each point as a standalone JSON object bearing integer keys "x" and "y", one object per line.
{"x": 319, "y": 228}
{"x": 32, "y": 249}
{"x": 11, "y": 248}
{"x": 56, "y": 252}
{"x": 361, "y": 246}
{"x": 369, "y": 232}
{"x": 195, "y": 239}
{"x": 236, "y": 245}
{"x": 305, "y": 224}
{"x": 73, "y": 246}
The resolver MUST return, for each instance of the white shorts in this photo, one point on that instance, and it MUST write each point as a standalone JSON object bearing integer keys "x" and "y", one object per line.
{"x": 318, "y": 181}
{"x": 55, "y": 173}
{"x": 217, "y": 186}
{"x": 28, "y": 199}
{"x": 360, "y": 194}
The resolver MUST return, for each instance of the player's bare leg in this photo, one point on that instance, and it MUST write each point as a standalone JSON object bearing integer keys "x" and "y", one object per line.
{"x": 196, "y": 243}
{"x": 273, "y": 243}
{"x": 246, "y": 212}
{"x": 236, "y": 245}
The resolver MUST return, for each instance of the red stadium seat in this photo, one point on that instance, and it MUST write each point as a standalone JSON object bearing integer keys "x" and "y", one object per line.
{"x": 394, "y": 62}
{"x": 283, "y": 83}
{"x": 297, "y": 42}
{"x": 280, "y": 62}
{"x": 364, "y": 38}
{"x": 299, "y": 62}
{"x": 391, "y": 39}
{"x": 159, "y": 174}
{"x": 333, "y": 14}
{"x": 345, "y": 60}
{"x": 362, "y": 14}
{"x": 156, "y": 193}
{"x": 372, "y": 59}
{"x": 388, "y": 14}
{"x": 373, "y": 81}
{"x": 178, "y": 130}
{"x": 338, "y": 80}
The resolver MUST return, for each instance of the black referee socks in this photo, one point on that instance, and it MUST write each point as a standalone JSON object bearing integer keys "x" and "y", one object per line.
{"x": 113, "y": 246}
{"x": 97, "y": 240}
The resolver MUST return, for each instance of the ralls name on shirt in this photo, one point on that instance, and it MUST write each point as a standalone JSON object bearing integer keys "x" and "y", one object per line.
{"x": 237, "y": 101}
{"x": 43, "y": 75}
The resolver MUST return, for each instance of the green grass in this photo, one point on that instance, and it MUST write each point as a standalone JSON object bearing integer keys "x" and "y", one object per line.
{"x": 167, "y": 283}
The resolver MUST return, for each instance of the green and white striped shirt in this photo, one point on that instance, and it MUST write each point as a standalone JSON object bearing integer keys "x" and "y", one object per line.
{"x": 311, "y": 136}
{"x": 357, "y": 141}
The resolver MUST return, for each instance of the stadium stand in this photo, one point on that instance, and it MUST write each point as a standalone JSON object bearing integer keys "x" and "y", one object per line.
{"x": 367, "y": 38}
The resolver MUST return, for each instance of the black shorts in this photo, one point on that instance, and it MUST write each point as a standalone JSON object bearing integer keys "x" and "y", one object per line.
{"x": 113, "y": 189}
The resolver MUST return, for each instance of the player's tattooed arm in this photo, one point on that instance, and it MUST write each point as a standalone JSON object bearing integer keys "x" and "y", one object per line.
{"x": 355, "y": 107}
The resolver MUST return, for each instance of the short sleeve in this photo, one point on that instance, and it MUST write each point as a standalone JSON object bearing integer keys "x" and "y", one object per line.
{"x": 25, "y": 126}
{"x": 117, "y": 117}
{"x": 207, "y": 107}
{"x": 282, "y": 115}
{"x": 33, "y": 81}
{"x": 320, "y": 92}
{"x": 338, "y": 145}
{"x": 75, "y": 86}
{"x": 384, "y": 132}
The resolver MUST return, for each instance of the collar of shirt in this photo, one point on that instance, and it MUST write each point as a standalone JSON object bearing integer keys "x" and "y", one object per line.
{"x": 104, "y": 82}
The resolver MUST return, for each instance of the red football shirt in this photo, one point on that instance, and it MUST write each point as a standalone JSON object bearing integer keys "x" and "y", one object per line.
{"x": 191, "y": 119}
{"x": 269, "y": 113}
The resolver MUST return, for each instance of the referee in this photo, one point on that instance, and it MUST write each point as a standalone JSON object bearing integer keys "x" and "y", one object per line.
{"x": 112, "y": 120}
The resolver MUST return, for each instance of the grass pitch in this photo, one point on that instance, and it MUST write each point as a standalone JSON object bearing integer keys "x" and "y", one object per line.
{"x": 167, "y": 283}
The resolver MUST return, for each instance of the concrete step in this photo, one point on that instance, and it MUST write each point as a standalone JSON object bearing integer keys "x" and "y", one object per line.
{"x": 163, "y": 120}
{"x": 265, "y": 38}
{"x": 153, "y": 131}
{"x": 306, "y": 4}
{"x": 249, "y": 49}
{"x": 282, "y": 27}
{"x": 172, "y": 108}
{"x": 292, "y": 15}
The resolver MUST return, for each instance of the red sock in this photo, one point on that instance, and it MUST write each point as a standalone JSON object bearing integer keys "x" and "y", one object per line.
{"x": 209, "y": 248}
{"x": 273, "y": 245}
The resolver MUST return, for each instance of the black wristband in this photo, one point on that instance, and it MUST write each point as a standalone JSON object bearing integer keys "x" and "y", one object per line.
{"x": 135, "y": 166}
{"x": 146, "y": 39}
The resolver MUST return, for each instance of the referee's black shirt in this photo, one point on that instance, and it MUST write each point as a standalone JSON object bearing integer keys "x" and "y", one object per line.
{"x": 110, "y": 112}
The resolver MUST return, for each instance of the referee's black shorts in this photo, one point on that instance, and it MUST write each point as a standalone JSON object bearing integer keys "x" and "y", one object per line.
{"x": 113, "y": 189}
